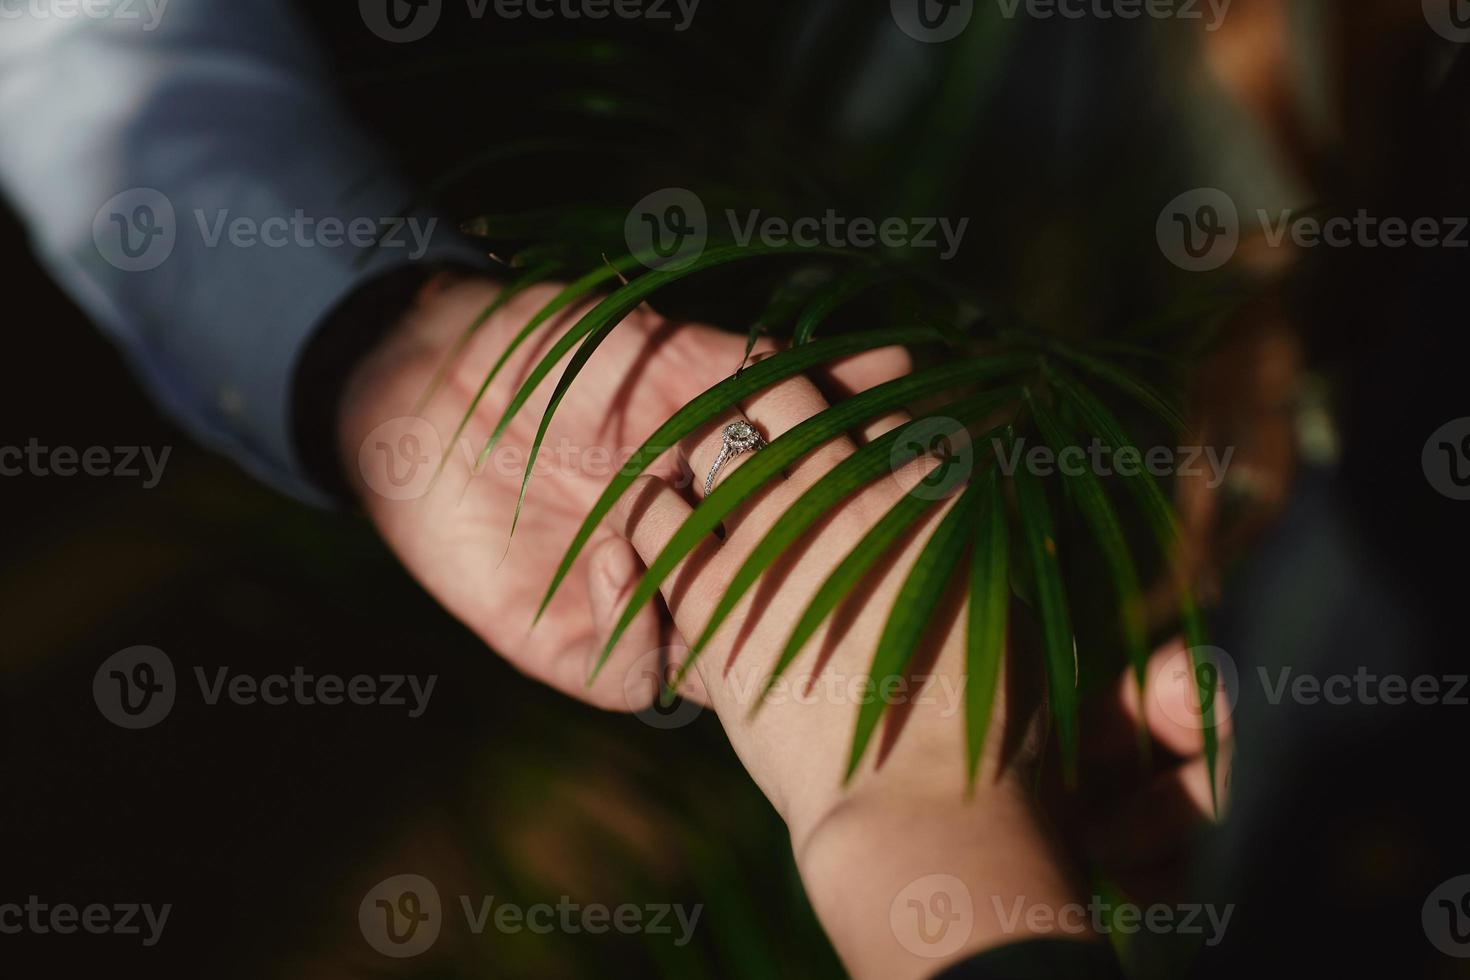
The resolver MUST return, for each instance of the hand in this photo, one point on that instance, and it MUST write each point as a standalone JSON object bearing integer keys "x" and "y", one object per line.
{"x": 453, "y": 534}
{"x": 1136, "y": 822}
{"x": 906, "y": 817}
{"x": 453, "y": 537}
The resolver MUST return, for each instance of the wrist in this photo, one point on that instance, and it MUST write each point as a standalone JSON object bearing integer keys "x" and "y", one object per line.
{"x": 908, "y": 879}
{"x": 391, "y": 379}
{"x": 345, "y": 339}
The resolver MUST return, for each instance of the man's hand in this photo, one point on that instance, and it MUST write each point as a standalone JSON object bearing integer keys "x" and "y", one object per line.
{"x": 452, "y": 532}
{"x": 452, "y": 535}
{"x": 1137, "y": 823}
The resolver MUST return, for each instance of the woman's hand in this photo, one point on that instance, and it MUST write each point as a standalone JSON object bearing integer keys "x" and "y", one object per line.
{"x": 902, "y": 842}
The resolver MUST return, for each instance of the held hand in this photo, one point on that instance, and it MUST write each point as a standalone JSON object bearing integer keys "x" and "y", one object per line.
{"x": 905, "y": 822}
{"x": 1135, "y": 822}
{"x": 451, "y": 533}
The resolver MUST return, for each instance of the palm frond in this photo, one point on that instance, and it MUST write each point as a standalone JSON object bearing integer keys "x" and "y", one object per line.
{"x": 847, "y": 288}
{"x": 985, "y": 634}
{"x": 591, "y": 331}
{"x": 710, "y": 404}
{"x": 569, "y": 294}
{"x": 862, "y": 467}
{"x": 1161, "y": 519}
{"x": 1098, "y": 511}
{"x": 1037, "y": 531}
{"x": 1030, "y": 370}
{"x": 1126, "y": 382}
{"x": 778, "y": 454}
{"x": 873, "y": 545}
{"x": 913, "y": 610}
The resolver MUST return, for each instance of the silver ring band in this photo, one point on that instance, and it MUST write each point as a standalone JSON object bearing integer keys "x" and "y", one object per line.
{"x": 739, "y": 437}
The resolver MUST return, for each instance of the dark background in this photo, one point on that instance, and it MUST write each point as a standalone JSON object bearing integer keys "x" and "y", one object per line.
{"x": 264, "y": 826}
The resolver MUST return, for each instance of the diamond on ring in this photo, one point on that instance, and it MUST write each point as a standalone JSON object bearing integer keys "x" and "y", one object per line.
{"x": 739, "y": 437}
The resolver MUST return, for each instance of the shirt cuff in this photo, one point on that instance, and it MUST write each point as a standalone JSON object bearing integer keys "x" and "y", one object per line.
{"x": 236, "y": 314}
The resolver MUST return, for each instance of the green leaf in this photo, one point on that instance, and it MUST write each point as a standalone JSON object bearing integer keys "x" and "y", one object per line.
{"x": 715, "y": 401}
{"x": 844, "y": 578}
{"x": 1051, "y": 605}
{"x": 1126, "y": 382}
{"x": 1205, "y": 686}
{"x": 782, "y": 451}
{"x": 786, "y": 304}
{"x": 1098, "y": 511}
{"x": 1105, "y": 427}
{"x": 595, "y": 327}
{"x": 862, "y": 467}
{"x": 985, "y": 635}
{"x": 849, "y": 572}
{"x": 847, "y": 288}
{"x": 569, "y": 294}
{"x": 1156, "y": 510}
{"x": 914, "y": 608}
{"x": 1120, "y": 348}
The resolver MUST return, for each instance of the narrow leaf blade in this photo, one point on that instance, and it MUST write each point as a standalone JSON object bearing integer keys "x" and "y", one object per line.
{"x": 913, "y": 611}
{"x": 985, "y": 634}
{"x": 593, "y": 329}
{"x": 770, "y": 461}
{"x": 1160, "y": 515}
{"x": 868, "y": 463}
{"x": 1051, "y": 598}
{"x": 1097, "y": 509}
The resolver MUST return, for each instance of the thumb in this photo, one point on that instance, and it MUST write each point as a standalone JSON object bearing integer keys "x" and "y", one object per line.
{"x": 613, "y": 571}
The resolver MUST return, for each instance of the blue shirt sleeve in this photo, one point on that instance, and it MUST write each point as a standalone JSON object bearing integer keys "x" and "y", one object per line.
{"x": 188, "y": 179}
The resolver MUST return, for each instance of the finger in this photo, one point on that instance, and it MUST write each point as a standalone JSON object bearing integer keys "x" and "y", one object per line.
{"x": 935, "y": 457}
{"x": 850, "y": 375}
{"x": 706, "y": 448}
{"x": 648, "y": 516}
{"x": 1170, "y": 705}
{"x": 782, "y": 407}
{"x": 773, "y": 412}
{"x": 613, "y": 572}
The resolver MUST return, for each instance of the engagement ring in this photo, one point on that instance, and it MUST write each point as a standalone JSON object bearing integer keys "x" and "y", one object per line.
{"x": 740, "y": 437}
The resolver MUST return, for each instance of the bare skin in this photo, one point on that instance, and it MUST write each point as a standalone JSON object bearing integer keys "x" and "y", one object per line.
{"x": 866, "y": 852}
{"x": 453, "y": 539}
{"x": 905, "y": 817}
{"x": 903, "y": 844}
